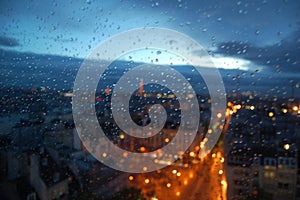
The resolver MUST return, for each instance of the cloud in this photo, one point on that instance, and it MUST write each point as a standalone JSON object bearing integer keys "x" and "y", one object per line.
{"x": 8, "y": 42}
{"x": 282, "y": 56}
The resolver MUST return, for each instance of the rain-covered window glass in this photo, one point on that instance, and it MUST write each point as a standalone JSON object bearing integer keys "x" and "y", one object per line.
{"x": 152, "y": 99}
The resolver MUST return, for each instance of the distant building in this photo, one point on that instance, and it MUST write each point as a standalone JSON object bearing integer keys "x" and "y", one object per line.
{"x": 262, "y": 172}
{"x": 46, "y": 177}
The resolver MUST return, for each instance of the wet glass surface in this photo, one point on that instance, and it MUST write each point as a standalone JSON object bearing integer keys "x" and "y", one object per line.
{"x": 149, "y": 99}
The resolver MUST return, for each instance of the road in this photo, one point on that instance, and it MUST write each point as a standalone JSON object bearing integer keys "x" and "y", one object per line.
{"x": 203, "y": 180}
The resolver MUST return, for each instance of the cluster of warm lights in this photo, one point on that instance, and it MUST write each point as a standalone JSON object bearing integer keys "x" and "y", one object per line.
{"x": 296, "y": 109}
{"x": 191, "y": 175}
{"x": 229, "y": 112}
{"x": 175, "y": 172}
{"x": 232, "y": 108}
{"x": 218, "y": 155}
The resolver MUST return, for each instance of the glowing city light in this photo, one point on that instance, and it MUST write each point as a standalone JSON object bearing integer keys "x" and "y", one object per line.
{"x": 192, "y": 154}
{"x": 229, "y": 104}
{"x": 143, "y": 149}
{"x": 286, "y": 146}
{"x": 185, "y": 182}
{"x": 284, "y": 110}
{"x": 130, "y": 178}
{"x": 222, "y": 159}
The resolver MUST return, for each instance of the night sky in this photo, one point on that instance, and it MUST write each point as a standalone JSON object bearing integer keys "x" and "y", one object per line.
{"x": 256, "y": 36}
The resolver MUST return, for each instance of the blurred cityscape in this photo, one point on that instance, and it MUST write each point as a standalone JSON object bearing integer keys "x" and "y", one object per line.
{"x": 42, "y": 156}
{"x": 71, "y": 71}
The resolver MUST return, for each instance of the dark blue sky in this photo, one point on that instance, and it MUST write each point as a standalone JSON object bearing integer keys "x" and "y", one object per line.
{"x": 253, "y": 35}
{"x": 73, "y": 27}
